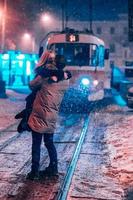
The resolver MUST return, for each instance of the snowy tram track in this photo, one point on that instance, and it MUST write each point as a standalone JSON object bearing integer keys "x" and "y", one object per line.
{"x": 8, "y": 136}
{"x": 15, "y": 160}
{"x": 97, "y": 174}
{"x": 62, "y": 194}
{"x": 90, "y": 177}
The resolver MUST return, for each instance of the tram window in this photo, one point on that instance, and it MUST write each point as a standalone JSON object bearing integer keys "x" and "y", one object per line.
{"x": 93, "y": 55}
{"x": 101, "y": 56}
{"x": 81, "y": 54}
{"x": 112, "y": 30}
{"x": 112, "y": 48}
{"x": 125, "y": 30}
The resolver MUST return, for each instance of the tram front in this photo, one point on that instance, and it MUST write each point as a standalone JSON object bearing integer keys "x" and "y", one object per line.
{"x": 85, "y": 56}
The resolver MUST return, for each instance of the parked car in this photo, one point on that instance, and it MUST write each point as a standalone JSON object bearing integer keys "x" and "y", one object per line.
{"x": 130, "y": 97}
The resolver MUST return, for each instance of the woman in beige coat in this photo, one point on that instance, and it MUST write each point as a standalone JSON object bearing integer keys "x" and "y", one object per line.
{"x": 42, "y": 121}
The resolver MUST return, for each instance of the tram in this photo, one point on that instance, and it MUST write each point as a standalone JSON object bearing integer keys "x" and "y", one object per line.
{"x": 85, "y": 56}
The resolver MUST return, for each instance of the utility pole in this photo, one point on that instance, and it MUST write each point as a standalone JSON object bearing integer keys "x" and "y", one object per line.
{"x": 2, "y": 83}
{"x": 4, "y": 25}
{"x": 66, "y": 13}
{"x": 90, "y": 15}
{"x": 63, "y": 16}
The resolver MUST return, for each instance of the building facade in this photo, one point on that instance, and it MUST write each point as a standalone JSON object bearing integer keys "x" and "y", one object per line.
{"x": 115, "y": 36}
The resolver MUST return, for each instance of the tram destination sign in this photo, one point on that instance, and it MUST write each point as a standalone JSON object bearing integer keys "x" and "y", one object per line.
{"x": 72, "y": 37}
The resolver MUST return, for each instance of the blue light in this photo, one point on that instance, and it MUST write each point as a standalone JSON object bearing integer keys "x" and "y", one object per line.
{"x": 85, "y": 81}
{"x": 5, "y": 56}
{"x": 20, "y": 63}
{"x": 28, "y": 68}
{"x": 20, "y": 56}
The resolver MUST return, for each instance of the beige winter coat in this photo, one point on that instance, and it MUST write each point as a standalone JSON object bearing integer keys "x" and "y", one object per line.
{"x": 46, "y": 104}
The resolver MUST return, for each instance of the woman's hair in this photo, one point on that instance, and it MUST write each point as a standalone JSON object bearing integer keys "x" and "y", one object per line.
{"x": 45, "y": 58}
{"x": 48, "y": 57}
{"x": 60, "y": 61}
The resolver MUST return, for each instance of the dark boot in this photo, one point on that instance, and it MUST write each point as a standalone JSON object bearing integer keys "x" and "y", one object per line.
{"x": 32, "y": 176}
{"x": 50, "y": 171}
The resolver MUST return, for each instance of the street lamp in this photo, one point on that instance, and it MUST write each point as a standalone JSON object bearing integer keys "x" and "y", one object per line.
{"x": 1, "y": 14}
{"x": 46, "y": 18}
{"x": 4, "y": 13}
{"x": 27, "y": 36}
{"x": 28, "y": 39}
{"x": 47, "y": 21}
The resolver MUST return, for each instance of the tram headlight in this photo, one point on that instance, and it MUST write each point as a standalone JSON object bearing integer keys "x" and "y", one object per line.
{"x": 95, "y": 82}
{"x": 85, "y": 82}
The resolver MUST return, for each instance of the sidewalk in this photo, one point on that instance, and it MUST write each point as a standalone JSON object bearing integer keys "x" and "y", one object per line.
{"x": 9, "y": 107}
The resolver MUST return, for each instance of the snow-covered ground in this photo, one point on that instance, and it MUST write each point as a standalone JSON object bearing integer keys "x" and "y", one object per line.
{"x": 9, "y": 107}
{"x": 105, "y": 166}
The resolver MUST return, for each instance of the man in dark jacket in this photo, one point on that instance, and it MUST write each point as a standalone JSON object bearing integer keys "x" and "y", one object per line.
{"x": 42, "y": 121}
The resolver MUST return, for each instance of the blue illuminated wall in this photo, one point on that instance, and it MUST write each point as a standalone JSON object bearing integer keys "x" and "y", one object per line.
{"x": 17, "y": 68}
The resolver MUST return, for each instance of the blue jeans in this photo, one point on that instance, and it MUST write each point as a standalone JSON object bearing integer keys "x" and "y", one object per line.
{"x": 36, "y": 146}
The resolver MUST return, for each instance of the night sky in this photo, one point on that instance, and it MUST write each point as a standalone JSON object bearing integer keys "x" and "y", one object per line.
{"x": 23, "y": 15}
{"x": 102, "y": 9}
{"x": 77, "y": 9}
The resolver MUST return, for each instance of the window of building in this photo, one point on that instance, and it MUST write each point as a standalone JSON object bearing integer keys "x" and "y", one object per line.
{"x": 125, "y": 30}
{"x": 112, "y": 30}
{"x": 112, "y": 48}
{"x": 99, "y": 30}
{"x": 125, "y": 53}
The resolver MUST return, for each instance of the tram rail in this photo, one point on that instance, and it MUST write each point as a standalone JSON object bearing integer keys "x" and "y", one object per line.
{"x": 16, "y": 150}
{"x": 68, "y": 144}
{"x": 62, "y": 194}
{"x": 9, "y": 138}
